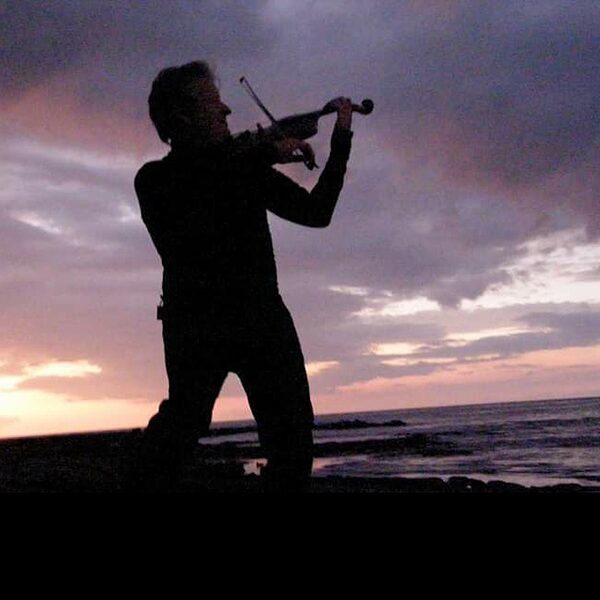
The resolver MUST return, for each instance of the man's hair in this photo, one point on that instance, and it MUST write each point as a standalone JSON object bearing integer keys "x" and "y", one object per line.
{"x": 170, "y": 90}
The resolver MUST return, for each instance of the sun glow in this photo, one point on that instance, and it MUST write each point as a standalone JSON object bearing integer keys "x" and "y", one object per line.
{"x": 34, "y": 220}
{"x": 78, "y": 368}
{"x": 32, "y": 408}
{"x": 409, "y": 362}
{"x": 38, "y": 412}
{"x": 462, "y": 339}
{"x": 394, "y": 349}
{"x": 383, "y": 307}
{"x": 314, "y": 368}
{"x": 69, "y": 369}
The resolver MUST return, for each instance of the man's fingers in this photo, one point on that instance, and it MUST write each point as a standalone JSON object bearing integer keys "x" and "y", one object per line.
{"x": 303, "y": 152}
{"x": 307, "y": 151}
{"x": 293, "y": 150}
{"x": 344, "y": 113}
{"x": 341, "y": 102}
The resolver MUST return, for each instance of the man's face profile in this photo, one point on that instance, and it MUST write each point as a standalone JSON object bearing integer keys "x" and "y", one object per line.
{"x": 206, "y": 112}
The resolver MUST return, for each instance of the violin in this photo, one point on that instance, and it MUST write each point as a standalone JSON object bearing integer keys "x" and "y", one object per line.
{"x": 301, "y": 126}
{"x": 305, "y": 125}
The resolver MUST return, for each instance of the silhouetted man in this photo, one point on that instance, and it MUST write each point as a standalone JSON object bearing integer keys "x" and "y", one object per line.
{"x": 205, "y": 206}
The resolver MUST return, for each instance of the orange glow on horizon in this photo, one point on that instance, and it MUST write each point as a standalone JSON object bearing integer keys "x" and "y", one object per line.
{"x": 37, "y": 412}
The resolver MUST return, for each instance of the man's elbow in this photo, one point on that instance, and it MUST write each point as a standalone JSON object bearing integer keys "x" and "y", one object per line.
{"x": 324, "y": 223}
{"x": 320, "y": 222}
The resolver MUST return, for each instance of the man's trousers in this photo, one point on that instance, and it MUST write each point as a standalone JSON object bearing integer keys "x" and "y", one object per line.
{"x": 258, "y": 342}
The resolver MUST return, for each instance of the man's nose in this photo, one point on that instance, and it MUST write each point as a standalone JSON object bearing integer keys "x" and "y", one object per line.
{"x": 226, "y": 110}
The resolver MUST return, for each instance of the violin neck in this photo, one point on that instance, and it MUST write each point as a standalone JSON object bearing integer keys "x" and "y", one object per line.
{"x": 300, "y": 126}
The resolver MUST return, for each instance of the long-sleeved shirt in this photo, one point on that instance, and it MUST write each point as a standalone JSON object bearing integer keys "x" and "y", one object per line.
{"x": 206, "y": 213}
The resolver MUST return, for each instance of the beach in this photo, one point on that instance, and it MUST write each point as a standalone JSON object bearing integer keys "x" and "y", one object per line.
{"x": 549, "y": 446}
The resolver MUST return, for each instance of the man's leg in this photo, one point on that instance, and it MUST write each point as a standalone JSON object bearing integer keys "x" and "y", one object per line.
{"x": 273, "y": 375}
{"x": 195, "y": 380}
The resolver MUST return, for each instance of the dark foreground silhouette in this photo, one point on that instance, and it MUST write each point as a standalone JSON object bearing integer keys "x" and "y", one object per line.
{"x": 205, "y": 207}
{"x": 96, "y": 462}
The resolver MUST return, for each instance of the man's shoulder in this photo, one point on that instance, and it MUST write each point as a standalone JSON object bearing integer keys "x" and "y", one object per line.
{"x": 148, "y": 174}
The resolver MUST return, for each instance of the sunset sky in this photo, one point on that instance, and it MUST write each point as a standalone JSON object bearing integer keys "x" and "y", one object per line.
{"x": 463, "y": 261}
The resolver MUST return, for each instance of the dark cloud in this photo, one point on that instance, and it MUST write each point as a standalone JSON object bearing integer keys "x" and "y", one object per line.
{"x": 503, "y": 98}
{"x": 576, "y": 328}
{"x": 41, "y": 40}
{"x": 114, "y": 46}
{"x": 516, "y": 81}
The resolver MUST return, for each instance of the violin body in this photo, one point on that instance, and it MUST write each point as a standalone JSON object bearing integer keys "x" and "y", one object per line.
{"x": 300, "y": 127}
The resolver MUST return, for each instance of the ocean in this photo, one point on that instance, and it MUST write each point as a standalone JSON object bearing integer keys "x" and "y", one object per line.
{"x": 534, "y": 443}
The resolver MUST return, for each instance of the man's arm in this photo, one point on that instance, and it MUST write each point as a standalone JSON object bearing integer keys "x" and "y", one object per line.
{"x": 171, "y": 231}
{"x": 147, "y": 191}
{"x": 292, "y": 202}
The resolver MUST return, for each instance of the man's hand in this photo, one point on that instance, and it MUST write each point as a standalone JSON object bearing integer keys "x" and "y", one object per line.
{"x": 286, "y": 152}
{"x": 344, "y": 112}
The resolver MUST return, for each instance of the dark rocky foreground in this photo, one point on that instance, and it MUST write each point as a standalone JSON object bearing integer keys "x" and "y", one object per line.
{"x": 97, "y": 462}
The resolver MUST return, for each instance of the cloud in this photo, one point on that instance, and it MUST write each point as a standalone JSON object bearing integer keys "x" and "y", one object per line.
{"x": 61, "y": 369}
{"x": 535, "y": 375}
{"x": 538, "y": 331}
{"x": 314, "y": 368}
{"x": 575, "y": 329}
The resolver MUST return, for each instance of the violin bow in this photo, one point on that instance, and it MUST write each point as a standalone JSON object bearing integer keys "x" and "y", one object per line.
{"x": 246, "y": 85}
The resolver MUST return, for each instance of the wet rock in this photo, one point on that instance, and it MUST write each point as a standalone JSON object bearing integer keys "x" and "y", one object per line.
{"x": 504, "y": 486}
{"x": 561, "y": 488}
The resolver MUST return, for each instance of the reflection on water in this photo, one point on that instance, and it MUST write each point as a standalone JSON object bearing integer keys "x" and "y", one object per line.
{"x": 530, "y": 443}
{"x": 253, "y": 466}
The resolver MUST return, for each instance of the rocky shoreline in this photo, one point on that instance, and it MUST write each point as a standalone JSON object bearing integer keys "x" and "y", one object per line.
{"x": 96, "y": 462}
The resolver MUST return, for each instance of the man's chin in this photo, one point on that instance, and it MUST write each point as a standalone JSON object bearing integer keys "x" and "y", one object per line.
{"x": 215, "y": 138}
{"x": 218, "y": 137}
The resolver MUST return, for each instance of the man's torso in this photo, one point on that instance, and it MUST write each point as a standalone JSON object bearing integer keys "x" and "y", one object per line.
{"x": 208, "y": 221}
